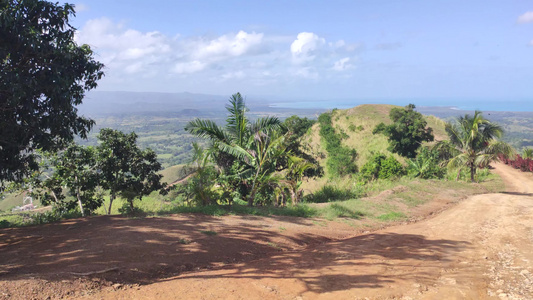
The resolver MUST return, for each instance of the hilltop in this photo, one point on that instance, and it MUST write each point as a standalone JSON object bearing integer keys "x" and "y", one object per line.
{"x": 356, "y": 124}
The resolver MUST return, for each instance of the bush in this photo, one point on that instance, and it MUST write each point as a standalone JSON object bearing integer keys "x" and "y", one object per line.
{"x": 390, "y": 167}
{"x": 341, "y": 160}
{"x": 426, "y": 165}
{"x": 381, "y": 167}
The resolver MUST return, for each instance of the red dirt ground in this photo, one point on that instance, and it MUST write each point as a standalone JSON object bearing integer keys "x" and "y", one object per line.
{"x": 479, "y": 248}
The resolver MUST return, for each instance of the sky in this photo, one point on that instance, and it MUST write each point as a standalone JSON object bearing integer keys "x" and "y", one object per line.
{"x": 314, "y": 49}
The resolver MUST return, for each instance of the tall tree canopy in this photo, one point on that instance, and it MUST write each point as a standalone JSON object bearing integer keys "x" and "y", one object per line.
{"x": 44, "y": 75}
{"x": 407, "y": 132}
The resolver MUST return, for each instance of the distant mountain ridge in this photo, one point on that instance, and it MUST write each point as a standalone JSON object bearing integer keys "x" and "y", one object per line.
{"x": 98, "y": 103}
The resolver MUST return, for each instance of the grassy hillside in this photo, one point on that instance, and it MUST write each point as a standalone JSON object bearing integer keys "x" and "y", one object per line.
{"x": 174, "y": 173}
{"x": 357, "y": 123}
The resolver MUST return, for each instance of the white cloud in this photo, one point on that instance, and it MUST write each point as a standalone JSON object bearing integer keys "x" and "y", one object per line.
{"x": 189, "y": 67}
{"x": 230, "y": 45}
{"x": 342, "y": 64}
{"x": 526, "y": 18}
{"x": 306, "y": 45}
{"x": 151, "y": 60}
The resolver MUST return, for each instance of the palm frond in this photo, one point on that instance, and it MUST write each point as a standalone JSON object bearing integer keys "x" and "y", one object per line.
{"x": 236, "y": 123}
{"x": 207, "y": 129}
{"x": 265, "y": 124}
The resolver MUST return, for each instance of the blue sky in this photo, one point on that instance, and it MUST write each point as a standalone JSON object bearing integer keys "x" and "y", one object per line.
{"x": 314, "y": 49}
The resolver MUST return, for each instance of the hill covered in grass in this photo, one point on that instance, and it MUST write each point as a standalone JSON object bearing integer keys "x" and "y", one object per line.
{"x": 355, "y": 125}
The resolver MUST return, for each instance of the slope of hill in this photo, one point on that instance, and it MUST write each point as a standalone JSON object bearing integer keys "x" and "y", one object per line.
{"x": 357, "y": 123}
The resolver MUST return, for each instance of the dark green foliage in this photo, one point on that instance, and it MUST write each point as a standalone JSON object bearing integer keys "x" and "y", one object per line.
{"x": 381, "y": 167}
{"x": 390, "y": 167}
{"x": 76, "y": 169}
{"x": 341, "y": 159}
{"x": 124, "y": 168}
{"x": 407, "y": 132}
{"x": 330, "y": 193}
{"x": 297, "y": 127}
{"x": 294, "y": 129}
{"x": 44, "y": 75}
{"x": 426, "y": 165}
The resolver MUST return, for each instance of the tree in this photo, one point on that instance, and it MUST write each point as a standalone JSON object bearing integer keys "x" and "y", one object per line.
{"x": 75, "y": 169}
{"x": 407, "y": 132}
{"x": 116, "y": 153}
{"x": 474, "y": 141}
{"x": 144, "y": 178}
{"x": 44, "y": 75}
{"x": 237, "y": 131}
{"x": 242, "y": 149}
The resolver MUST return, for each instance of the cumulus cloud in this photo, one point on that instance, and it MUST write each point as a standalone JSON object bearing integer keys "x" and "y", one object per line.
{"x": 306, "y": 45}
{"x": 231, "y": 59}
{"x": 342, "y": 64}
{"x": 230, "y": 45}
{"x": 526, "y": 18}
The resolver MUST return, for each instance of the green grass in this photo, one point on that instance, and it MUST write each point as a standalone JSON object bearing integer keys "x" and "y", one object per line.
{"x": 392, "y": 216}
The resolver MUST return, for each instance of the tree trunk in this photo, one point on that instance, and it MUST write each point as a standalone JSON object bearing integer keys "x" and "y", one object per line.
{"x": 78, "y": 197}
{"x": 472, "y": 173}
{"x": 458, "y": 175}
{"x": 111, "y": 198}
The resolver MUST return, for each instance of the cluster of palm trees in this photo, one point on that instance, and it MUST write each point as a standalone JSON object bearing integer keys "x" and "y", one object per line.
{"x": 250, "y": 156}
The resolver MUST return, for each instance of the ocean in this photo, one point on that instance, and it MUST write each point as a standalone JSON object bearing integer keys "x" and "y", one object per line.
{"x": 458, "y": 104}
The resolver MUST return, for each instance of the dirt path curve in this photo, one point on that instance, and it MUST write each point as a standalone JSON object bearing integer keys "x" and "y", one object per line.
{"x": 479, "y": 249}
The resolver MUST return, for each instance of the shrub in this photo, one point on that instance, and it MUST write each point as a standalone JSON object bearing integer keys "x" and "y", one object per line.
{"x": 341, "y": 160}
{"x": 426, "y": 165}
{"x": 390, "y": 167}
{"x": 381, "y": 167}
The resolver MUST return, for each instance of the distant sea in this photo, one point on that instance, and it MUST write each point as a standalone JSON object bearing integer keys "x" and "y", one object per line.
{"x": 457, "y": 104}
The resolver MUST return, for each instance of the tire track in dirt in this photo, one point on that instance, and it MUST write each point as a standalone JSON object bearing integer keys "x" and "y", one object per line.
{"x": 479, "y": 249}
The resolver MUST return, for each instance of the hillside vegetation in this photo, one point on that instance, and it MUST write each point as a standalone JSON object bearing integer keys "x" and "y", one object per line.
{"x": 356, "y": 125}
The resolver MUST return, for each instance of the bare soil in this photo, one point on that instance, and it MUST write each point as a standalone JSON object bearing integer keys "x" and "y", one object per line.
{"x": 478, "y": 248}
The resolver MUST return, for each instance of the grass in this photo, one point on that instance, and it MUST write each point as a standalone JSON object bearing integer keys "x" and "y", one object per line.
{"x": 392, "y": 216}
{"x": 404, "y": 194}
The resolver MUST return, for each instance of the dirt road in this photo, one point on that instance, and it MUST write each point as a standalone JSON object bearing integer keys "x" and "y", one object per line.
{"x": 479, "y": 249}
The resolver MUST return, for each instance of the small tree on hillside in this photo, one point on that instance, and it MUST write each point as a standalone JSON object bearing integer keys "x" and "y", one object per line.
{"x": 144, "y": 178}
{"x": 75, "y": 169}
{"x": 407, "y": 132}
{"x": 125, "y": 169}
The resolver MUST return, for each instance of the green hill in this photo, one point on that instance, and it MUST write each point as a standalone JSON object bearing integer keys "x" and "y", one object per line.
{"x": 357, "y": 123}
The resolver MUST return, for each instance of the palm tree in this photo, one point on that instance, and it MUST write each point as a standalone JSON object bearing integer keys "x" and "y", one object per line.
{"x": 236, "y": 132}
{"x": 474, "y": 143}
{"x": 254, "y": 144}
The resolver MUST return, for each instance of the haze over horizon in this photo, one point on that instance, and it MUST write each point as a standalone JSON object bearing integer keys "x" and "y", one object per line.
{"x": 314, "y": 49}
